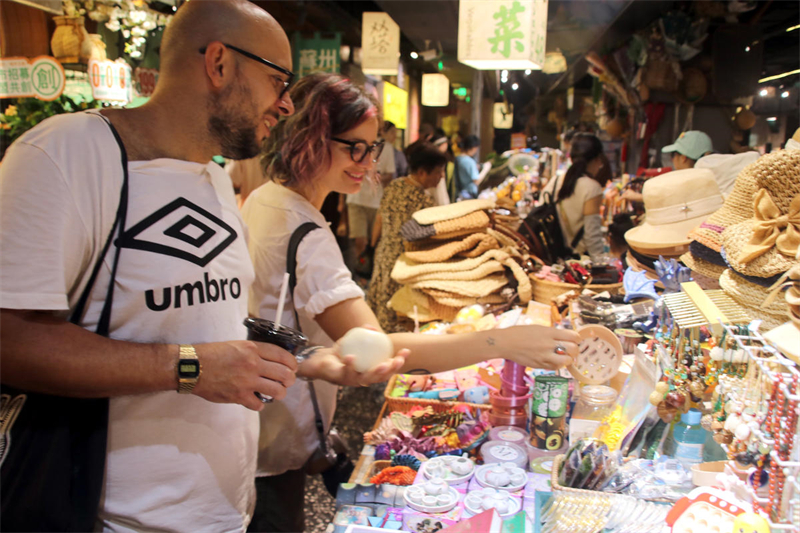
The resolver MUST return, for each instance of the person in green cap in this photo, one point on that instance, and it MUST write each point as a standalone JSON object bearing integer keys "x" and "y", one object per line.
{"x": 688, "y": 148}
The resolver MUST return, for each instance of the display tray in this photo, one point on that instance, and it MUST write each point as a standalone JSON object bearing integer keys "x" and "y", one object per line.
{"x": 403, "y": 404}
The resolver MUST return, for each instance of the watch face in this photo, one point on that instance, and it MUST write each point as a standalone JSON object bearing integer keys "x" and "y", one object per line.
{"x": 188, "y": 368}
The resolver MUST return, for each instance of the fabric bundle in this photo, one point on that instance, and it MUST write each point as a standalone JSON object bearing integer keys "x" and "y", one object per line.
{"x": 453, "y": 259}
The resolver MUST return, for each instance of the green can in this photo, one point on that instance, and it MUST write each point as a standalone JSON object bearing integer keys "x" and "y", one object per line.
{"x": 550, "y": 396}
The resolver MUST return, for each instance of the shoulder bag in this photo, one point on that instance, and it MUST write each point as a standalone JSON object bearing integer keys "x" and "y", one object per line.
{"x": 53, "y": 448}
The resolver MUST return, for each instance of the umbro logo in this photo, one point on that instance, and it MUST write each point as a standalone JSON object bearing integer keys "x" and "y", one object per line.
{"x": 180, "y": 229}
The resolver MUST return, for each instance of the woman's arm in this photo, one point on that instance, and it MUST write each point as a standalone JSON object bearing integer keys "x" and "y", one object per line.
{"x": 593, "y": 227}
{"x": 532, "y": 346}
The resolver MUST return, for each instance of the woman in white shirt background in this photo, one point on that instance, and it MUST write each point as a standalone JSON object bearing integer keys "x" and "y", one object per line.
{"x": 580, "y": 193}
{"x": 330, "y": 145}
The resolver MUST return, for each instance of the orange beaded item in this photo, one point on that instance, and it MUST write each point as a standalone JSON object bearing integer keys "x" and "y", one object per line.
{"x": 394, "y": 475}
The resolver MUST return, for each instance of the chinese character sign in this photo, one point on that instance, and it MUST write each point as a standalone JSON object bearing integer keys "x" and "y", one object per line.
{"x": 145, "y": 80}
{"x": 41, "y": 77}
{"x": 380, "y": 44}
{"x": 316, "y": 54}
{"x": 502, "y": 34}
{"x": 111, "y": 81}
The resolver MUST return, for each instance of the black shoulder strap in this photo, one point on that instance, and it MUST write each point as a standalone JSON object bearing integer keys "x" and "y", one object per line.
{"x": 291, "y": 267}
{"x": 119, "y": 224}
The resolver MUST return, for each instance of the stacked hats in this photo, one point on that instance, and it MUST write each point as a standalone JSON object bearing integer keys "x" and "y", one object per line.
{"x": 675, "y": 203}
{"x": 454, "y": 259}
{"x": 760, "y": 249}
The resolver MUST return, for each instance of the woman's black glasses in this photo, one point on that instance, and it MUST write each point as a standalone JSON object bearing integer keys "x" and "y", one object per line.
{"x": 289, "y": 74}
{"x": 359, "y": 150}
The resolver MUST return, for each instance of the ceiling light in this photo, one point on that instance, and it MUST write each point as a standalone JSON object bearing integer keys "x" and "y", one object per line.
{"x": 515, "y": 86}
{"x": 785, "y": 94}
{"x": 528, "y": 72}
{"x": 747, "y": 49}
{"x": 792, "y": 28}
{"x": 504, "y": 73}
{"x": 414, "y": 55}
{"x": 770, "y": 78}
{"x": 772, "y": 119}
{"x": 762, "y": 92}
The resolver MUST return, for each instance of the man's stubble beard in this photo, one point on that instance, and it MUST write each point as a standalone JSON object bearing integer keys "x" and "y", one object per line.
{"x": 231, "y": 125}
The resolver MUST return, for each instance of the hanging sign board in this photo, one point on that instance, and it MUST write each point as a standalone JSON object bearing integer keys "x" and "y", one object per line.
{"x": 145, "y": 80}
{"x": 395, "y": 105}
{"x": 42, "y": 77}
{"x": 503, "y": 116}
{"x": 111, "y": 81}
{"x": 380, "y": 44}
{"x": 316, "y": 54}
{"x": 518, "y": 141}
{"x": 502, "y": 34}
{"x": 435, "y": 90}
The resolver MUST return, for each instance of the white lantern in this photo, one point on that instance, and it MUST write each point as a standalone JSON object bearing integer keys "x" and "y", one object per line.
{"x": 502, "y": 34}
{"x": 380, "y": 44}
{"x": 503, "y": 116}
{"x": 435, "y": 90}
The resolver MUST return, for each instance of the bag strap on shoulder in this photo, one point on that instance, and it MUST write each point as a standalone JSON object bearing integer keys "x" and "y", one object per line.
{"x": 291, "y": 267}
{"x": 104, "y": 322}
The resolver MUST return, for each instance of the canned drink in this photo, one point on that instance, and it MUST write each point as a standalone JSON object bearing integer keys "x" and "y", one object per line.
{"x": 550, "y": 396}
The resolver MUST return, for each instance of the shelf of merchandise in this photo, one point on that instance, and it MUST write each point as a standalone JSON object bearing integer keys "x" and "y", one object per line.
{"x": 761, "y": 353}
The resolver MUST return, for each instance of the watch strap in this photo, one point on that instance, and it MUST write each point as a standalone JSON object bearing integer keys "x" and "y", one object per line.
{"x": 186, "y": 385}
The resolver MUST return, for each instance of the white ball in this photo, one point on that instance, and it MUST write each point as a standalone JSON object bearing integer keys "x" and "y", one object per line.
{"x": 370, "y": 347}
{"x": 742, "y": 432}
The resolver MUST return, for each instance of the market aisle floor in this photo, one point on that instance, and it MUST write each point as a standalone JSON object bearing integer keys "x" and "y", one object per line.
{"x": 356, "y": 411}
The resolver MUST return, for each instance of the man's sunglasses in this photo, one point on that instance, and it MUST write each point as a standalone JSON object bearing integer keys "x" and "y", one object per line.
{"x": 359, "y": 150}
{"x": 289, "y": 74}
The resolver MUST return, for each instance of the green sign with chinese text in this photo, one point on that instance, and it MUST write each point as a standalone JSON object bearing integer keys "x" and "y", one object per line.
{"x": 316, "y": 54}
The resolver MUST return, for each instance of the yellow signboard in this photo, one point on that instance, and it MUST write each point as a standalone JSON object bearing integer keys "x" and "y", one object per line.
{"x": 395, "y": 105}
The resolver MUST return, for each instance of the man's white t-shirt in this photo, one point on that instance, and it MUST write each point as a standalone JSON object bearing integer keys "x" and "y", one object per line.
{"x": 272, "y": 213}
{"x": 175, "y": 462}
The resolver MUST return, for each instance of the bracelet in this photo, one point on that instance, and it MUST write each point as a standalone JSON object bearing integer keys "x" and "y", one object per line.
{"x": 303, "y": 355}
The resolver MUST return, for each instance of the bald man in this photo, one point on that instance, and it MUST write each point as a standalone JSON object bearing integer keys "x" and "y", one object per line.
{"x": 184, "y": 383}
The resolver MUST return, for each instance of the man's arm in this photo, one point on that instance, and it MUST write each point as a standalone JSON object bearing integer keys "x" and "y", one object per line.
{"x": 46, "y": 354}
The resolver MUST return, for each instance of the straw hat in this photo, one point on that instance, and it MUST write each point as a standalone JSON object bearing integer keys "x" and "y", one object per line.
{"x": 666, "y": 252}
{"x": 768, "y": 244}
{"x": 702, "y": 267}
{"x": 406, "y": 269}
{"x": 472, "y": 245}
{"x": 440, "y": 213}
{"x": 738, "y": 207}
{"x": 751, "y": 298}
{"x": 675, "y": 203}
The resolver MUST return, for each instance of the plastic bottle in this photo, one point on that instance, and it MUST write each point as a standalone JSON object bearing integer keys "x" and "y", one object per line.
{"x": 713, "y": 451}
{"x": 689, "y": 438}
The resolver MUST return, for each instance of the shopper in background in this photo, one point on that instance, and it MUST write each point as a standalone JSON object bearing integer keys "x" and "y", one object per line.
{"x": 173, "y": 462}
{"x": 467, "y": 174}
{"x": 440, "y": 192}
{"x": 403, "y": 198}
{"x": 580, "y": 193}
{"x": 400, "y": 160}
{"x": 331, "y": 144}
{"x": 688, "y": 148}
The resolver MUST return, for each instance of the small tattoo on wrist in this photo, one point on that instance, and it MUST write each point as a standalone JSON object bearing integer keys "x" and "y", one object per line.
{"x": 490, "y": 341}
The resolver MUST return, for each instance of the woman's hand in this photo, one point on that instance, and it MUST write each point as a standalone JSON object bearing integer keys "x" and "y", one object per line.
{"x": 326, "y": 364}
{"x": 535, "y": 346}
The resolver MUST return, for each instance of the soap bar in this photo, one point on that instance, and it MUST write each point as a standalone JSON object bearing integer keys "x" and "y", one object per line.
{"x": 370, "y": 347}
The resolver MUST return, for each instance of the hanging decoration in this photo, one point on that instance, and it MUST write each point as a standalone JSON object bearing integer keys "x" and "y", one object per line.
{"x": 435, "y": 90}
{"x": 131, "y": 17}
{"x": 496, "y": 34}
{"x": 380, "y": 44}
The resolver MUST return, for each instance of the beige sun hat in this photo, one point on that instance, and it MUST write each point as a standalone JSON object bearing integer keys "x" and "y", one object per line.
{"x": 456, "y": 300}
{"x": 472, "y": 245}
{"x": 404, "y": 301}
{"x": 768, "y": 244}
{"x": 405, "y": 269}
{"x": 701, "y": 266}
{"x": 439, "y": 213}
{"x": 477, "y": 288}
{"x": 675, "y": 203}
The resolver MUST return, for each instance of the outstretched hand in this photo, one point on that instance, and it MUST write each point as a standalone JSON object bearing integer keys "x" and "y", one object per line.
{"x": 326, "y": 364}
{"x": 536, "y": 346}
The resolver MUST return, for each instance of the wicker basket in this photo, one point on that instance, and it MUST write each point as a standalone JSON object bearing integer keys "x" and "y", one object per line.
{"x": 546, "y": 291}
{"x": 554, "y": 484}
{"x": 404, "y": 405}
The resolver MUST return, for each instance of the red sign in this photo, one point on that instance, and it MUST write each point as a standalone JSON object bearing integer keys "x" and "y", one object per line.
{"x": 145, "y": 79}
{"x": 518, "y": 141}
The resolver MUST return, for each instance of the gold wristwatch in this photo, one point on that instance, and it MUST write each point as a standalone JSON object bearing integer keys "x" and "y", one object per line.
{"x": 189, "y": 369}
